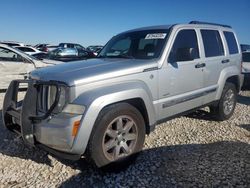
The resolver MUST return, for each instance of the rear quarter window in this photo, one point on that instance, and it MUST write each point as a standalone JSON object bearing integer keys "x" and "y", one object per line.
{"x": 231, "y": 42}
{"x": 212, "y": 43}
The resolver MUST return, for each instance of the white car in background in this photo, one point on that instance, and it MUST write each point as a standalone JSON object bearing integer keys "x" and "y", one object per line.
{"x": 246, "y": 67}
{"x": 246, "y": 62}
{"x": 14, "y": 64}
{"x": 28, "y": 49}
{"x": 12, "y": 43}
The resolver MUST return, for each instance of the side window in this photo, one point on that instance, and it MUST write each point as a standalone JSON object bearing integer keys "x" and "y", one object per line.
{"x": 231, "y": 42}
{"x": 185, "y": 47}
{"x": 27, "y": 49}
{"x": 82, "y": 53}
{"x": 212, "y": 43}
{"x": 8, "y": 55}
{"x": 79, "y": 46}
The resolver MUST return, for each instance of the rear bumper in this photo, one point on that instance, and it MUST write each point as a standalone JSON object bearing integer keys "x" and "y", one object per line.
{"x": 49, "y": 131}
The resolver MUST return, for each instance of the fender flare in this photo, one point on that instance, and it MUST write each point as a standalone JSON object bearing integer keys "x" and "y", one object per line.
{"x": 97, "y": 99}
{"x": 225, "y": 74}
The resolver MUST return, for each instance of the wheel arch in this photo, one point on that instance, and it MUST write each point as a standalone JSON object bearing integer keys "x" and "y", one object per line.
{"x": 139, "y": 104}
{"x": 234, "y": 80}
{"x": 135, "y": 94}
{"x": 231, "y": 75}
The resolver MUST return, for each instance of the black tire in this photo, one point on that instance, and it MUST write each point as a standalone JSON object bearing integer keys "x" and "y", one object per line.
{"x": 219, "y": 111}
{"x": 95, "y": 150}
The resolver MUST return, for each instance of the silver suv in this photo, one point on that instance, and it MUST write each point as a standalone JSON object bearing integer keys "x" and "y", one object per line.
{"x": 102, "y": 108}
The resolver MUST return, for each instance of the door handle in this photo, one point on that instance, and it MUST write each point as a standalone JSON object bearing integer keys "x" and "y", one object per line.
{"x": 200, "y": 65}
{"x": 225, "y": 61}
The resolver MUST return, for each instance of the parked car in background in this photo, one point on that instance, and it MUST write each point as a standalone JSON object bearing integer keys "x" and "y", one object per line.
{"x": 45, "y": 47}
{"x": 246, "y": 67}
{"x": 15, "y": 64}
{"x": 69, "y": 54}
{"x": 71, "y": 45}
{"x": 12, "y": 43}
{"x": 41, "y": 55}
{"x": 104, "y": 107}
{"x": 245, "y": 47}
{"x": 28, "y": 49}
{"x": 95, "y": 49}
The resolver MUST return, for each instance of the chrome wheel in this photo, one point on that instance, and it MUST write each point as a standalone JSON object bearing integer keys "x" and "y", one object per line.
{"x": 229, "y": 102}
{"x": 120, "y": 138}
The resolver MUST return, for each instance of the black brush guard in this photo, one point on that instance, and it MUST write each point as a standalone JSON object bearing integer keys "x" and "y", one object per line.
{"x": 20, "y": 117}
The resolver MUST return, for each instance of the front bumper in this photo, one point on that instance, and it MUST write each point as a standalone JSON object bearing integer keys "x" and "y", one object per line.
{"x": 52, "y": 132}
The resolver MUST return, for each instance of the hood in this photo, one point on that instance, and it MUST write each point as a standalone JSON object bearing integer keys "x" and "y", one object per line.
{"x": 51, "y": 62}
{"x": 82, "y": 72}
{"x": 46, "y": 62}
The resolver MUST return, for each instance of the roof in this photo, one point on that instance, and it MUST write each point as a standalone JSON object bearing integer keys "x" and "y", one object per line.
{"x": 164, "y": 27}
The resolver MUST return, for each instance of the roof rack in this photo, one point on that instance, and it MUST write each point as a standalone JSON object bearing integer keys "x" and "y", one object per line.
{"x": 207, "y": 23}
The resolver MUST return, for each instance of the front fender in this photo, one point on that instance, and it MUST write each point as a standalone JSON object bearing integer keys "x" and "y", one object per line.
{"x": 95, "y": 100}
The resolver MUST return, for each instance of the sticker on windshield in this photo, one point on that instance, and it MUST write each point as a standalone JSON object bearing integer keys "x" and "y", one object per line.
{"x": 156, "y": 36}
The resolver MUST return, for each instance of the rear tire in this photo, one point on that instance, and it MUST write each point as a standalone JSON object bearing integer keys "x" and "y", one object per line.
{"x": 225, "y": 108}
{"x": 118, "y": 135}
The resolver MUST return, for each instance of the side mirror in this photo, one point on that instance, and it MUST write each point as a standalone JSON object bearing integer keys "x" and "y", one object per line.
{"x": 186, "y": 54}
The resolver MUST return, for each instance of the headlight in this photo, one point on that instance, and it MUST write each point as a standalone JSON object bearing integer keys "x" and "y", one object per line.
{"x": 62, "y": 98}
{"x": 47, "y": 96}
{"x": 74, "y": 109}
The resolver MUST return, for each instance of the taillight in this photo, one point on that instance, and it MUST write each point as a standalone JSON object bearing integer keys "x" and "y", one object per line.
{"x": 46, "y": 49}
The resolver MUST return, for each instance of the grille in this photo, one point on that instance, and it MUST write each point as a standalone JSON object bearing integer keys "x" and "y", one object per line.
{"x": 46, "y": 97}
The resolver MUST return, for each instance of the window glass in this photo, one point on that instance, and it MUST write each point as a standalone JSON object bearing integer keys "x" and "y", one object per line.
{"x": 8, "y": 55}
{"x": 120, "y": 47}
{"x": 144, "y": 44}
{"x": 78, "y": 46}
{"x": 29, "y": 50}
{"x": 185, "y": 39}
{"x": 246, "y": 57}
{"x": 24, "y": 49}
{"x": 82, "y": 53}
{"x": 231, "y": 42}
{"x": 212, "y": 43}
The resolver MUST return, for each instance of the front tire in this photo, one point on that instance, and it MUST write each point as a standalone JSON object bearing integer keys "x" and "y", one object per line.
{"x": 118, "y": 135}
{"x": 225, "y": 108}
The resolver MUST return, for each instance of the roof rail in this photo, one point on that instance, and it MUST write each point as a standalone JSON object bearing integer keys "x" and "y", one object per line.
{"x": 207, "y": 23}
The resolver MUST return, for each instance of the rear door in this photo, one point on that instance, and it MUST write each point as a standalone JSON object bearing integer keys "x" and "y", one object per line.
{"x": 215, "y": 60}
{"x": 12, "y": 66}
{"x": 233, "y": 49}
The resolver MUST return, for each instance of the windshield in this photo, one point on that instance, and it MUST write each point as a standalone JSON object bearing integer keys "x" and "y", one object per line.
{"x": 147, "y": 44}
{"x": 246, "y": 57}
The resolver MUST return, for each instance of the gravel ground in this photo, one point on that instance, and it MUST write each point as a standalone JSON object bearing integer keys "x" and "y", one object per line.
{"x": 188, "y": 151}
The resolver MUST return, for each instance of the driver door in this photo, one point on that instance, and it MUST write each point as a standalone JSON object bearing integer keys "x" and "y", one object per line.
{"x": 12, "y": 66}
{"x": 181, "y": 79}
